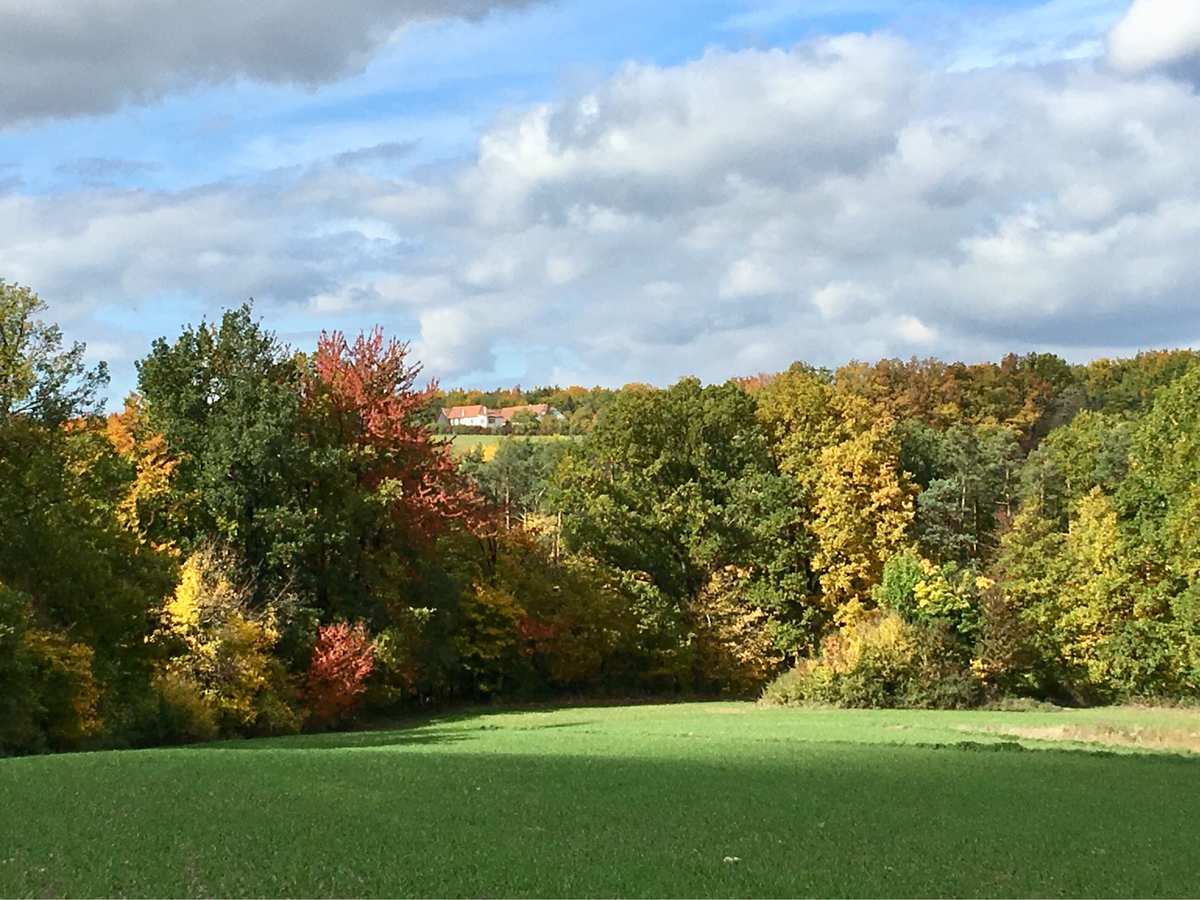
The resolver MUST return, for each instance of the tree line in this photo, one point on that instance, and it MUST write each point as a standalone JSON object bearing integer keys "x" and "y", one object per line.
{"x": 266, "y": 539}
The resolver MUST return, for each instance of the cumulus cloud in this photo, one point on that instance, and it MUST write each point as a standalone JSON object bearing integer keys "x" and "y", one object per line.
{"x": 1157, "y": 34}
{"x": 732, "y": 214}
{"x": 93, "y": 56}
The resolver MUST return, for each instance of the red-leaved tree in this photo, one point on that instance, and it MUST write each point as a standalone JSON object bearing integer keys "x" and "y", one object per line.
{"x": 342, "y": 659}
{"x": 369, "y": 397}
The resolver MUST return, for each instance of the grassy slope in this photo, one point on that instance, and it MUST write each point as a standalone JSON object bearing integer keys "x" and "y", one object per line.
{"x": 615, "y": 801}
{"x": 465, "y": 443}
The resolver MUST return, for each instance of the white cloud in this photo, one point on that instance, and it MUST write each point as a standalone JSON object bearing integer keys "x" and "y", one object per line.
{"x": 750, "y": 277}
{"x": 847, "y": 300}
{"x": 1156, "y": 34}
{"x": 914, "y": 330}
{"x": 732, "y": 214}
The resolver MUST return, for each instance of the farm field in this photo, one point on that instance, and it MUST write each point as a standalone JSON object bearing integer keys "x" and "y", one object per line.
{"x": 699, "y": 799}
{"x": 465, "y": 443}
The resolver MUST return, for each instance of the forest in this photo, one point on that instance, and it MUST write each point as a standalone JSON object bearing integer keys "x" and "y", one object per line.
{"x": 267, "y": 539}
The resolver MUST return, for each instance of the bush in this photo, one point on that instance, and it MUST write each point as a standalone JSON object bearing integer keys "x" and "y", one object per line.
{"x": 68, "y": 693}
{"x": 489, "y": 641}
{"x": 184, "y": 714}
{"x": 1003, "y": 660}
{"x": 880, "y": 661}
{"x": 226, "y": 649}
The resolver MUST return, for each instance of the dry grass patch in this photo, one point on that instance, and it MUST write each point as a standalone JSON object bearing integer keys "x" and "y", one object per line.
{"x": 1183, "y": 736}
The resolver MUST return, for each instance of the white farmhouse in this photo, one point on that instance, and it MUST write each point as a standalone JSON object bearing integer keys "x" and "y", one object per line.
{"x": 467, "y": 417}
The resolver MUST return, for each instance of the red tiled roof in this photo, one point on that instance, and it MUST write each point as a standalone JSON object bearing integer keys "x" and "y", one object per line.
{"x": 464, "y": 412}
{"x": 538, "y": 409}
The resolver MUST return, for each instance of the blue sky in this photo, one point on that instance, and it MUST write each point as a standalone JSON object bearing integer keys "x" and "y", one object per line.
{"x": 610, "y": 191}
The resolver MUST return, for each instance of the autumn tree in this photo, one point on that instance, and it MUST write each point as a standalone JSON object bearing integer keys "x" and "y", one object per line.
{"x": 366, "y": 396}
{"x": 81, "y": 588}
{"x": 342, "y": 659}
{"x": 798, "y": 414}
{"x": 863, "y": 509}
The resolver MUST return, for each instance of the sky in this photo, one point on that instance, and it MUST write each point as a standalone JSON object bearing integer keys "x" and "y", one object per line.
{"x": 605, "y": 191}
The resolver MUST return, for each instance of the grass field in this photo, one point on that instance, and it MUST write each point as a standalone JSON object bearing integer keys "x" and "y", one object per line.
{"x": 705, "y": 799}
{"x": 465, "y": 443}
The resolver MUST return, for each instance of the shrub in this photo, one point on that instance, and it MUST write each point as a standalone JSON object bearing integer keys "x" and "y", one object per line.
{"x": 226, "y": 649}
{"x": 395, "y": 673}
{"x": 921, "y": 591}
{"x": 880, "y": 661}
{"x": 184, "y": 714}
{"x": 897, "y": 588}
{"x": 1141, "y": 658}
{"x": 577, "y": 629}
{"x": 342, "y": 659}
{"x": 1003, "y": 660}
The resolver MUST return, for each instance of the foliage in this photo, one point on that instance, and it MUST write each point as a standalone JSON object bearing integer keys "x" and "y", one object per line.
{"x": 899, "y": 533}
{"x": 343, "y": 657}
{"x": 183, "y": 712}
{"x": 518, "y": 478}
{"x": 879, "y": 660}
{"x": 654, "y": 491}
{"x": 736, "y": 650}
{"x": 224, "y": 647}
{"x": 969, "y": 488}
{"x": 489, "y": 639}
{"x": 863, "y": 511}
{"x": 226, "y": 400}
{"x": 51, "y": 697}
{"x": 798, "y": 414}
{"x": 39, "y": 380}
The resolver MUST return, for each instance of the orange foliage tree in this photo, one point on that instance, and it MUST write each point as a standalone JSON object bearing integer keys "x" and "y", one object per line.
{"x": 343, "y": 657}
{"x": 370, "y": 398}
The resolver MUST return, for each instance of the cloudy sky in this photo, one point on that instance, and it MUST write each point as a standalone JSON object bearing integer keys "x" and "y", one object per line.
{"x": 600, "y": 191}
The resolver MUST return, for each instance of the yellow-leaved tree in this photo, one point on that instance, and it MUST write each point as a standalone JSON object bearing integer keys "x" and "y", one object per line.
{"x": 863, "y": 508}
{"x": 224, "y": 669}
{"x": 1098, "y": 594}
{"x": 151, "y": 503}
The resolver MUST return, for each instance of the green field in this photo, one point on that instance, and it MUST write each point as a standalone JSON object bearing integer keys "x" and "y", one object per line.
{"x": 465, "y": 443}
{"x": 704, "y": 799}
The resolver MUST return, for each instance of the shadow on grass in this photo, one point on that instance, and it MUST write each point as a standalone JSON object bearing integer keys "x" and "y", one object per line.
{"x": 341, "y": 740}
{"x": 415, "y": 735}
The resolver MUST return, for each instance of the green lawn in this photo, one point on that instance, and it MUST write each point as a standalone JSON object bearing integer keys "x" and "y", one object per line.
{"x": 465, "y": 443}
{"x": 704, "y": 799}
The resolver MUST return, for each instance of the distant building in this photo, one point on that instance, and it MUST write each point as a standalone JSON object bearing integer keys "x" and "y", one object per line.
{"x": 466, "y": 417}
{"x": 482, "y": 417}
{"x": 537, "y": 410}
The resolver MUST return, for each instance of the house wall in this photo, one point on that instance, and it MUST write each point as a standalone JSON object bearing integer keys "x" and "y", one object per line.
{"x": 471, "y": 422}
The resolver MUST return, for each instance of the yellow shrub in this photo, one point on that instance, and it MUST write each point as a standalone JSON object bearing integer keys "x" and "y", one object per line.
{"x": 227, "y": 649}
{"x": 185, "y": 714}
